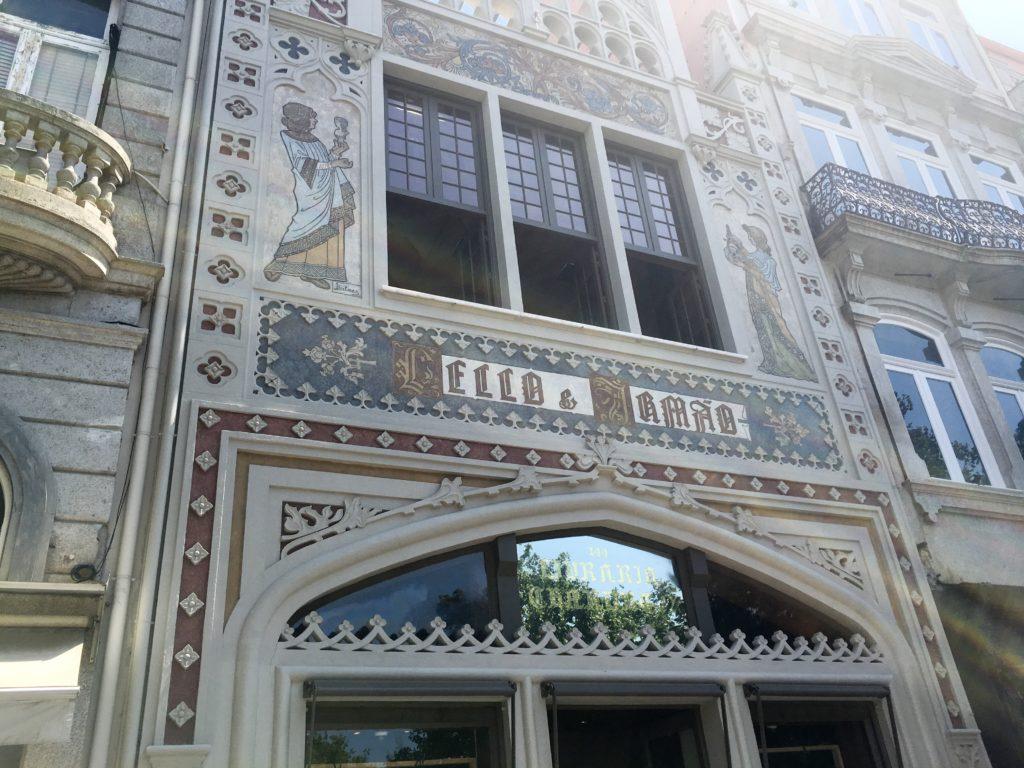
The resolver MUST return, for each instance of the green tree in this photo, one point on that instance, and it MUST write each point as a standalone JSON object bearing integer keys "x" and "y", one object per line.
{"x": 332, "y": 749}
{"x": 437, "y": 744}
{"x": 549, "y": 592}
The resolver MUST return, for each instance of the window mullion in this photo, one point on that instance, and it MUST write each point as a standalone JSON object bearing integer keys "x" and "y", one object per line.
{"x": 509, "y": 285}
{"x": 432, "y": 148}
{"x": 939, "y": 427}
{"x": 603, "y": 213}
{"x": 645, "y": 204}
{"x": 29, "y": 45}
{"x": 540, "y": 149}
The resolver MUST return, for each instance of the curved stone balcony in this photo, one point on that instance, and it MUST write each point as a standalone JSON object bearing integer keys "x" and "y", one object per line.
{"x": 899, "y": 232}
{"x": 58, "y": 174}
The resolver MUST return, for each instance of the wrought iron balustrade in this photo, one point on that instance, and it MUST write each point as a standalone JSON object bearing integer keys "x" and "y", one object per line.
{"x": 835, "y": 192}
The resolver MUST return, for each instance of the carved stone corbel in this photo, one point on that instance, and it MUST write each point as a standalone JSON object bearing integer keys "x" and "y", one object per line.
{"x": 851, "y": 267}
{"x": 955, "y": 294}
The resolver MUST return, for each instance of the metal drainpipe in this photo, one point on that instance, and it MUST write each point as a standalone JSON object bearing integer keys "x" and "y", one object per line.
{"x": 121, "y": 579}
{"x": 145, "y": 619}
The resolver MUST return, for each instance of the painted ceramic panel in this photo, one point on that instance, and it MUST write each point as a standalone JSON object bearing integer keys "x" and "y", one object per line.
{"x": 491, "y": 59}
{"x": 324, "y": 355}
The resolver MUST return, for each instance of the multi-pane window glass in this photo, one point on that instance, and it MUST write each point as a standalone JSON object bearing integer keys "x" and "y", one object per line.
{"x": 1000, "y": 183}
{"x": 438, "y": 231}
{"x": 544, "y": 177}
{"x": 560, "y": 269}
{"x": 918, "y": 158}
{"x": 1006, "y": 369}
{"x": 644, "y": 192}
{"x": 925, "y": 31}
{"x": 667, "y": 283}
{"x": 944, "y": 434}
{"x": 859, "y": 17}
{"x": 828, "y": 133}
{"x": 523, "y": 174}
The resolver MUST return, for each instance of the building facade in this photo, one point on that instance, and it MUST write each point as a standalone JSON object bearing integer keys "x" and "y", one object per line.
{"x": 542, "y": 383}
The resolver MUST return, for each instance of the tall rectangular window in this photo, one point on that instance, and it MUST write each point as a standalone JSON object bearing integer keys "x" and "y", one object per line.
{"x": 667, "y": 282}
{"x": 560, "y": 268}
{"x": 1000, "y": 183}
{"x": 438, "y": 223}
{"x": 830, "y": 136}
{"x": 929, "y": 32}
{"x": 919, "y": 159}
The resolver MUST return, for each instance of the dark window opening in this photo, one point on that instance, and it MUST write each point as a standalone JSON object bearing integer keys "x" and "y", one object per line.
{"x": 561, "y": 270}
{"x": 86, "y": 17}
{"x": 561, "y": 276}
{"x": 438, "y": 229}
{"x": 672, "y": 302}
{"x": 633, "y": 737}
{"x": 738, "y": 602}
{"x": 403, "y": 735}
{"x": 458, "y": 589}
{"x": 439, "y": 250}
{"x": 668, "y": 284}
{"x": 819, "y": 734}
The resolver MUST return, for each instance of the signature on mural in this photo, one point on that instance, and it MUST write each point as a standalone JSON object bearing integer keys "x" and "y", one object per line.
{"x": 313, "y": 246}
{"x": 781, "y": 352}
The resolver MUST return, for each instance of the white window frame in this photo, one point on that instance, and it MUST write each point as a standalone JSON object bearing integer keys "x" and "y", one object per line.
{"x": 8, "y": 505}
{"x": 857, "y": 7}
{"x": 935, "y": 24}
{"x": 832, "y": 132}
{"x": 31, "y": 37}
{"x": 1007, "y": 386}
{"x": 1004, "y": 188}
{"x": 921, "y": 372}
{"x": 922, "y": 159}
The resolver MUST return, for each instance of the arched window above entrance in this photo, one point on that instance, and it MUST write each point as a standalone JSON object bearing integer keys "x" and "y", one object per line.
{"x": 570, "y": 580}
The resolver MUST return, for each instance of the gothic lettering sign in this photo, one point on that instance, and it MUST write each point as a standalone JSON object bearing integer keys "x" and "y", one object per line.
{"x": 322, "y": 354}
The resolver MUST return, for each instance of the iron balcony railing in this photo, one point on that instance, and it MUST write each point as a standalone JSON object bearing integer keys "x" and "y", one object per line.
{"x": 834, "y": 193}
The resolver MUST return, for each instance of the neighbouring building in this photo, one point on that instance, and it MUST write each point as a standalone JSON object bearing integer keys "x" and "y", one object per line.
{"x": 530, "y": 383}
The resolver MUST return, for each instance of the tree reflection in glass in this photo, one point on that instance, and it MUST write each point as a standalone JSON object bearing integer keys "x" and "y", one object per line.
{"x": 579, "y": 581}
{"x": 964, "y": 447}
{"x": 922, "y": 436}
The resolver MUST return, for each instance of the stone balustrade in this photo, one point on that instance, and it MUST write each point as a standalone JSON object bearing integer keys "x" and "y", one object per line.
{"x": 58, "y": 176}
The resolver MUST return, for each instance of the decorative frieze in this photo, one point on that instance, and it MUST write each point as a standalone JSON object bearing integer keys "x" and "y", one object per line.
{"x": 319, "y": 354}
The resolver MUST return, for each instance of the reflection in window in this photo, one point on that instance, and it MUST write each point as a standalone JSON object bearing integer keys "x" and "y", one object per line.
{"x": 456, "y": 589}
{"x": 1003, "y": 364}
{"x": 897, "y": 341}
{"x": 964, "y": 447}
{"x": 1008, "y": 370}
{"x": 87, "y": 17}
{"x": 1012, "y": 405}
{"x": 1003, "y": 189}
{"x": 932, "y": 411}
{"x": 640, "y": 737}
{"x": 827, "y": 133}
{"x": 581, "y": 581}
{"x": 919, "y": 425}
{"x": 403, "y": 736}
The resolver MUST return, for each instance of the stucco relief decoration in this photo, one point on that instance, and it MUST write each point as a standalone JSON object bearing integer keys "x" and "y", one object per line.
{"x": 322, "y": 354}
{"x": 330, "y": 11}
{"x": 781, "y": 354}
{"x": 489, "y": 58}
{"x": 312, "y": 227}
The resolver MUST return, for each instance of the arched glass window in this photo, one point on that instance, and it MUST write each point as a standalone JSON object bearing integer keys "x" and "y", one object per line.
{"x": 1006, "y": 369}
{"x": 570, "y": 580}
{"x": 942, "y": 427}
{"x": 458, "y": 589}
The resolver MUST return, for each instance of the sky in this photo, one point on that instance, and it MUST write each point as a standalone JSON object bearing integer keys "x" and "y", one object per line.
{"x": 1000, "y": 20}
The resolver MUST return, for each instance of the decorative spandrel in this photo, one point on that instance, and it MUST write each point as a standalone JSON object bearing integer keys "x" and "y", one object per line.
{"x": 834, "y": 192}
{"x": 325, "y": 355}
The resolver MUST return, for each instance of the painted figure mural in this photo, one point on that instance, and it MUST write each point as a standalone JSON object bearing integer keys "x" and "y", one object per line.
{"x": 313, "y": 246}
{"x": 782, "y": 353}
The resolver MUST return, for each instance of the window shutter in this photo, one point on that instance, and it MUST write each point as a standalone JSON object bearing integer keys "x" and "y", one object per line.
{"x": 63, "y": 78}
{"x": 8, "y": 47}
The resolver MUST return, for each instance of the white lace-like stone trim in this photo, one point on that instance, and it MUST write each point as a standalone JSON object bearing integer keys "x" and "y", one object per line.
{"x": 602, "y": 643}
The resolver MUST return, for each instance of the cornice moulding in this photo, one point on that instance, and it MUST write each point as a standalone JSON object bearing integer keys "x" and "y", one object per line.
{"x": 69, "y": 329}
